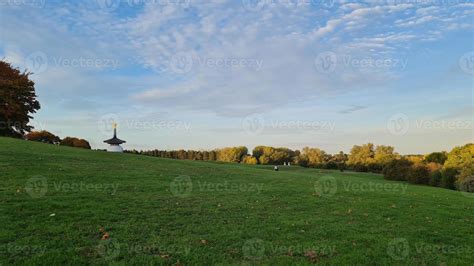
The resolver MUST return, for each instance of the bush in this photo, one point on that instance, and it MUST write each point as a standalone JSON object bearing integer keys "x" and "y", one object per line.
{"x": 302, "y": 160}
{"x": 435, "y": 178}
{"x": 359, "y": 168}
{"x": 332, "y": 165}
{"x": 249, "y": 160}
{"x": 43, "y": 136}
{"x": 465, "y": 179}
{"x": 448, "y": 179}
{"x": 397, "y": 170}
{"x": 433, "y": 167}
{"x": 341, "y": 166}
{"x": 375, "y": 168}
{"x": 75, "y": 142}
{"x": 419, "y": 174}
{"x": 436, "y": 157}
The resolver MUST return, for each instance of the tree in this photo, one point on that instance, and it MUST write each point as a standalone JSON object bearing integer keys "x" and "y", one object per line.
{"x": 17, "y": 101}
{"x": 460, "y": 157}
{"x": 436, "y": 157}
{"x": 249, "y": 160}
{"x": 465, "y": 179}
{"x": 315, "y": 156}
{"x": 43, "y": 136}
{"x": 397, "y": 169}
{"x": 78, "y": 143}
{"x": 419, "y": 174}
{"x": 361, "y": 157}
{"x": 232, "y": 154}
{"x": 271, "y": 155}
{"x": 384, "y": 154}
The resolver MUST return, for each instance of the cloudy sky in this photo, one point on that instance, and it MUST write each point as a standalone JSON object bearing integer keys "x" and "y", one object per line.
{"x": 202, "y": 74}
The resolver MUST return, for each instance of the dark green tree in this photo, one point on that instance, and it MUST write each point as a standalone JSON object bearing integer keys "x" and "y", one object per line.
{"x": 17, "y": 101}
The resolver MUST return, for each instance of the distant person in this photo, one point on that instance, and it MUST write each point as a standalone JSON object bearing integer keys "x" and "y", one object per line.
{"x": 275, "y": 168}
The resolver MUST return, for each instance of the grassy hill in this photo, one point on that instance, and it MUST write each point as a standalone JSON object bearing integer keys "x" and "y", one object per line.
{"x": 55, "y": 200}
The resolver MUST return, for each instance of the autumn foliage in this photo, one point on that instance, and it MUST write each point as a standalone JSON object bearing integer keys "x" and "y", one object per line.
{"x": 43, "y": 136}
{"x": 75, "y": 142}
{"x": 17, "y": 101}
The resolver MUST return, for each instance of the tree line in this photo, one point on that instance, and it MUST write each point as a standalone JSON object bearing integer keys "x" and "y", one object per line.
{"x": 453, "y": 170}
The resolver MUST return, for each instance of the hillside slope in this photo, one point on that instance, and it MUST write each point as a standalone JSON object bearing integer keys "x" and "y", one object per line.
{"x": 55, "y": 200}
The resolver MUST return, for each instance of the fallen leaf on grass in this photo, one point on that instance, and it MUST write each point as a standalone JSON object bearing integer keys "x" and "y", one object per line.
{"x": 311, "y": 255}
{"x": 105, "y": 236}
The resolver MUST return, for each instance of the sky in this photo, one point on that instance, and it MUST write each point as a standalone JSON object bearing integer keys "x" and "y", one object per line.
{"x": 204, "y": 74}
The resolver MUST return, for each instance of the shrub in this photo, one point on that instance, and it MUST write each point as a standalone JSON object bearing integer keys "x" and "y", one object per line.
{"x": 419, "y": 174}
{"x": 75, "y": 142}
{"x": 435, "y": 178}
{"x": 359, "y": 168}
{"x": 43, "y": 136}
{"x": 436, "y": 157}
{"x": 433, "y": 167}
{"x": 448, "y": 179}
{"x": 397, "y": 169}
{"x": 341, "y": 166}
{"x": 249, "y": 160}
{"x": 465, "y": 179}
{"x": 302, "y": 160}
{"x": 375, "y": 168}
{"x": 331, "y": 165}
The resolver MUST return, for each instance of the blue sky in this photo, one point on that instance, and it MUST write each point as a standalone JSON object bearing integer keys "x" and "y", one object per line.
{"x": 197, "y": 74}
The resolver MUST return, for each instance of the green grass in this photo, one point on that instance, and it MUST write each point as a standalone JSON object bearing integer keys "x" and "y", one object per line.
{"x": 169, "y": 211}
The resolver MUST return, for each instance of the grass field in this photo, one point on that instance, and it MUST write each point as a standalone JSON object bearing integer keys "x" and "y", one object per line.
{"x": 55, "y": 200}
